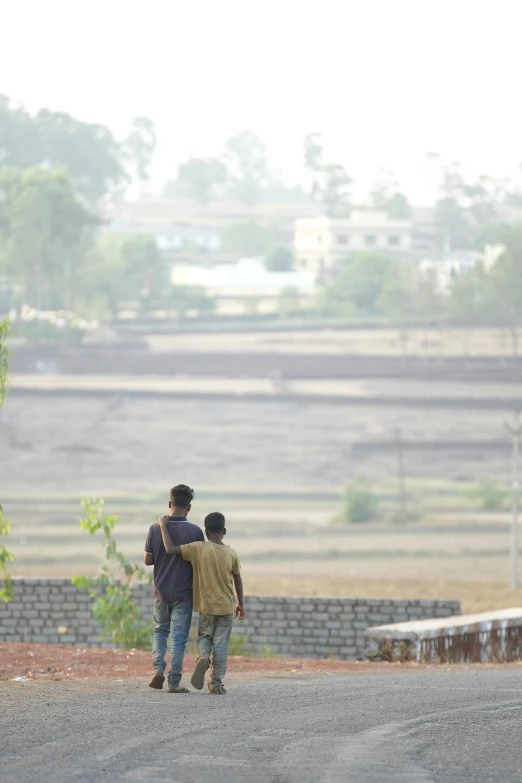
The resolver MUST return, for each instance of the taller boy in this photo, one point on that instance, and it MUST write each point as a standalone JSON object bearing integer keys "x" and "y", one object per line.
{"x": 172, "y": 589}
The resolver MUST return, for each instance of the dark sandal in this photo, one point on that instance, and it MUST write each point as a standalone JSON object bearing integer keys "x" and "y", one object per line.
{"x": 219, "y": 689}
{"x": 178, "y": 689}
{"x": 198, "y": 678}
{"x": 157, "y": 682}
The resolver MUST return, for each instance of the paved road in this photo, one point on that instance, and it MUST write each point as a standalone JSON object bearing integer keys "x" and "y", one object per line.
{"x": 412, "y": 726}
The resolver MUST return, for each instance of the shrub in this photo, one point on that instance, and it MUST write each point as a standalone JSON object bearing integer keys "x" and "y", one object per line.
{"x": 114, "y": 609}
{"x": 490, "y": 496}
{"x": 239, "y": 645}
{"x": 360, "y": 504}
{"x": 6, "y": 582}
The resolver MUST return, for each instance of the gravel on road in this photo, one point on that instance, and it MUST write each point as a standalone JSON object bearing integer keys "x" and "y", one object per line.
{"x": 438, "y": 725}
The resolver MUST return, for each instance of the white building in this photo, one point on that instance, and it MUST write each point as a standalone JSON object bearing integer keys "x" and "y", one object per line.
{"x": 321, "y": 243}
{"x": 445, "y": 270}
{"x": 247, "y": 286}
{"x": 247, "y": 278}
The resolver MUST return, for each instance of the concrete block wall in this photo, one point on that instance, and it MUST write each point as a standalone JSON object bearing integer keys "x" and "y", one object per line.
{"x": 53, "y": 611}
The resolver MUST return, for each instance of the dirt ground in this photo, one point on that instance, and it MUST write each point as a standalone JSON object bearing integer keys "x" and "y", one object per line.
{"x": 55, "y": 662}
{"x": 61, "y": 662}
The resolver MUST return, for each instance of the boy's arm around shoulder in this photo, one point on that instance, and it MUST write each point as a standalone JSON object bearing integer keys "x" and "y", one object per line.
{"x": 187, "y": 551}
{"x": 171, "y": 548}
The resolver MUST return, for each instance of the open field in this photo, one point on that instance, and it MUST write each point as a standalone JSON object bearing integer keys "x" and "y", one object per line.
{"x": 275, "y": 466}
{"x": 296, "y": 547}
{"x": 386, "y": 341}
{"x": 63, "y": 444}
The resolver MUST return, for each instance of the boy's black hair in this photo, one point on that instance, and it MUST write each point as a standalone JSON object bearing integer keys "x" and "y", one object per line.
{"x": 181, "y": 496}
{"x": 215, "y": 522}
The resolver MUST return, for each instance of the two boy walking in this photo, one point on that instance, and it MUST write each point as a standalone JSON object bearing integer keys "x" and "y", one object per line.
{"x": 192, "y": 574}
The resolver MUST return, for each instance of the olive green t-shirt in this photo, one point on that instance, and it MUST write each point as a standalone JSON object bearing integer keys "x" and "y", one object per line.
{"x": 213, "y": 566}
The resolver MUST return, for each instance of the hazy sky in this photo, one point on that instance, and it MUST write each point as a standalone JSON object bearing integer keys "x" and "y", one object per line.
{"x": 385, "y": 80}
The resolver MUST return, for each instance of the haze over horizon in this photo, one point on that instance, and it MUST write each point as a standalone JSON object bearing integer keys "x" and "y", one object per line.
{"x": 385, "y": 83}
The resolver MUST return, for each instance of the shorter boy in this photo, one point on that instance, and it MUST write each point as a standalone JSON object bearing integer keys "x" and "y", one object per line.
{"x": 215, "y": 571}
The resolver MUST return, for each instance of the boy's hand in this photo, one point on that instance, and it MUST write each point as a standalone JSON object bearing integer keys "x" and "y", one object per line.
{"x": 240, "y": 612}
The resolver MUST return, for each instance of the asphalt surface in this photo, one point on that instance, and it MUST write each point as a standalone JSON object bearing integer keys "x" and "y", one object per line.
{"x": 415, "y": 726}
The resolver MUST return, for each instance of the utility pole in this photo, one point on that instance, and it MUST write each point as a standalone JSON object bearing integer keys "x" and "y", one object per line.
{"x": 400, "y": 474}
{"x": 515, "y": 430}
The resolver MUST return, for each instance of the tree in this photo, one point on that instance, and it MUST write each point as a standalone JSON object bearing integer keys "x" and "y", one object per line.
{"x": 313, "y": 152}
{"x": 246, "y": 238}
{"x": 144, "y": 267}
{"x": 44, "y": 228}
{"x": 466, "y": 302}
{"x": 6, "y": 588}
{"x": 20, "y": 143}
{"x": 504, "y": 285}
{"x": 184, "y": 298}
{"x": 246, "y": 162}
{"x": 281, "y": 259}
{"x": 359, "y": 284}
{"x": 313, "y": 159}
{"x": 330, "y": 181}
{"x": 122, "y": 270}
{"x": 465, "y": 208}
{"x": 452, "y": 220}
{"x": 140, "y": 146}
{"x": 397, "y": 300}
{"x": 335, "y": 188}
{"x": 203, "y": 177}
{"x": 485, "y": 198}
{"x": 88, "y": 151}
{"x": 385, "y": 196}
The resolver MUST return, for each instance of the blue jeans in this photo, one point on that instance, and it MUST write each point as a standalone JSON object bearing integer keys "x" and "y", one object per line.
{"x": 214, "y": 633}
{"x": 176, "y": 618}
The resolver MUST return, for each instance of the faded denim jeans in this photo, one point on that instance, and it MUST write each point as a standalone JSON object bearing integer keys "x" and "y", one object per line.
{"x": 213, "y": 638}
{"x": 172, "y": 618}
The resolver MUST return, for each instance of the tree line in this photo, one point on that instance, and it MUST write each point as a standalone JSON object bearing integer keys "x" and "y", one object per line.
{"x": 374, "y": 285}
{"x": 57, "y": 172}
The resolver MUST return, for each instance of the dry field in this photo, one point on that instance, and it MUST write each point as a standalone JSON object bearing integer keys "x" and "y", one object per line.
{"x": 388, "y": 342}
{"x": 277, "y": 469}
{"x": 73, "y": 445}
{"x": 296, "y": 548}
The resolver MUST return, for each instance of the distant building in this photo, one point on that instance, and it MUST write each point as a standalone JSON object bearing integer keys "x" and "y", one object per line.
{"x": 247, "y": 278}
{"x": 176, "y": 241}
{"x": 445, "y": 270}
{"x": 424, "y": 238}
{"x": 190, "y": 232}
{"x": 321, "y": 243}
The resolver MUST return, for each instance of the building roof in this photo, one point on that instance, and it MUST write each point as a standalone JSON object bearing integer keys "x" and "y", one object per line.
{"x": 362, "y": 218}
{"x": 164, "y": 212}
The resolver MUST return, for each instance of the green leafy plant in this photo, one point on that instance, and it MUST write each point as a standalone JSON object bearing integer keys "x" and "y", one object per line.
{"x": 360, "y": 504}
{"x": 113, "y": 609}
{"x": 239, "y": 645}
{"x": 490, "y": 496}
{"x": 6, "y": 583}
{"x": 6, "y": 590}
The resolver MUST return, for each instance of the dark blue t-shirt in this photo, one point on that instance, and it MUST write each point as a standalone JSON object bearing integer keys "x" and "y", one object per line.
{"x": 172, "y": 574}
